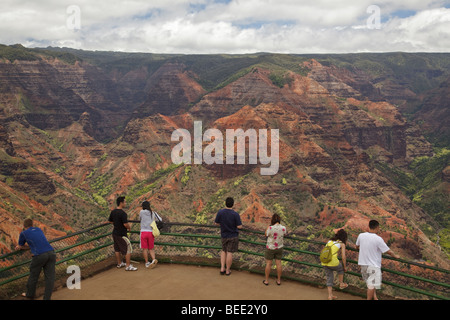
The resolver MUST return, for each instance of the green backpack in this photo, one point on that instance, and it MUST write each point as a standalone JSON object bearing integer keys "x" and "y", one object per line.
{"x": 326, "y": 255}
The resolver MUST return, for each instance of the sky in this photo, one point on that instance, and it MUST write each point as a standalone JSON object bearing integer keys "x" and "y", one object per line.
{"x": 229, "y": 26}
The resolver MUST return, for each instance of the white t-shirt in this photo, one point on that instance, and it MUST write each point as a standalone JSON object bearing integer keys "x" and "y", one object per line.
{"x": 371, "y": 247}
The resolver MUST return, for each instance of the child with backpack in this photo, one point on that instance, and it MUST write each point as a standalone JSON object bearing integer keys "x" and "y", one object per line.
{"x": 330, "y": 262}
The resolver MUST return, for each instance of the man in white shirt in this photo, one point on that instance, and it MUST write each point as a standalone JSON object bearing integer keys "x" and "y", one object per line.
{"x": 371, "y": 246}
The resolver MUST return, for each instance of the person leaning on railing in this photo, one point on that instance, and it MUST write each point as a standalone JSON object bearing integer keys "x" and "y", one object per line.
{"x": 44, "y": 258}
{"x": 147, "y": 239}
{"x": 274, "y": 248}
{"x": 230, "y": 223}
{"x": 371, "y": 247}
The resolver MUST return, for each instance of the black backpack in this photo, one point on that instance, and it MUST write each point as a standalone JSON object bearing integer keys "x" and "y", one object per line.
{"x": 158, "y": 221}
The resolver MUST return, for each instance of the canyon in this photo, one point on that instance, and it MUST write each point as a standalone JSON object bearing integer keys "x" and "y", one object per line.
{"x": 361, "y": 136}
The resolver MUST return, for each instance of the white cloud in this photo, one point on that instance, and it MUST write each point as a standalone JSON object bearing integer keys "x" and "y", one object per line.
{"x": 236, "y": 26}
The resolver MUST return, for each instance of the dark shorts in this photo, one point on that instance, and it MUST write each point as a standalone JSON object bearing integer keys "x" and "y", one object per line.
{"x": 120, "y": 245}
{"x": 276, "y": 254}
{"x": 230, "y": 244}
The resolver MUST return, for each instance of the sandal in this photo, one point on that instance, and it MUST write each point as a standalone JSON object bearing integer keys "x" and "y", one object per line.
{"x": 343, "y": 286}
{"x": 265, "y": 283}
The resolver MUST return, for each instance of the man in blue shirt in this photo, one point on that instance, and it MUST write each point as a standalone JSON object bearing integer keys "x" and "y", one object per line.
{"x": 44, "y": 258}
{"x": 230, "y": 223}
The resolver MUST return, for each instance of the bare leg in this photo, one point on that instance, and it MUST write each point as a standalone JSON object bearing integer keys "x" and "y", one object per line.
{"x": 145, "y": 253}
{"x": 229, "y": 261}
{"x": 118, "y": 258}
{"x": 330, "y": 293}
{"x": 267, "y": 271}
{"x": 223, "y": 256}
{"x": 279, "y": 271}
{"x": 152, "y": 254}
{"x": 371, "y": 294}
{"x": 342, "y": 284}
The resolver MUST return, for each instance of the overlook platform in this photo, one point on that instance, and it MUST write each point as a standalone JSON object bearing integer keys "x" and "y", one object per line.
{"x": 189, "y": 256}
{"x": 188, "y": 282}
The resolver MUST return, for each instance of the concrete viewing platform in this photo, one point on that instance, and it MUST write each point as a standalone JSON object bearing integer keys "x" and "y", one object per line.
{"x": 189, "y": 282}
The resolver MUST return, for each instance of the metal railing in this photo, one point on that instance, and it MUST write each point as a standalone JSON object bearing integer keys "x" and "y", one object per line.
{"x": 201, "y": 244}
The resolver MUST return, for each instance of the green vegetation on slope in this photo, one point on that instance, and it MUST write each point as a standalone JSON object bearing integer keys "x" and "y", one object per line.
{"x": 423, "y": 183}
{"x": 19, "y": 52}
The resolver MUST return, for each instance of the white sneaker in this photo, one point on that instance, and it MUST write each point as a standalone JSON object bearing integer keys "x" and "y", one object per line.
{"x": 130, "y": 268}
{"x": 153, "y": 264}
{"x": 123, "y": 264}
{"x": 147, "y": 264}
